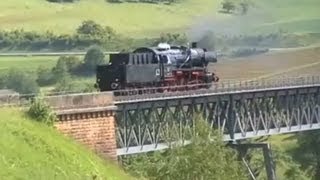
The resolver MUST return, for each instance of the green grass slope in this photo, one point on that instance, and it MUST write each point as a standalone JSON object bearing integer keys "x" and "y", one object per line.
{"x": 127, "y": 18}
{"x": 29, "y": 150}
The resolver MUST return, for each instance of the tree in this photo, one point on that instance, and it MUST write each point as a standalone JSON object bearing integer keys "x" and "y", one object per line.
{"x": 22, "y": 82}
{"x": 228, "y": 6}
{"x": 92, "y": 28}
{"x": 93, "y": 57}
{"x": 64, "y": 84}
{"x": 308, "y": 152}
{"x": 202, "y": 159}
{"x": 60, "y": 71}
{"x": 72, "y": 63}
{"x": 45, "y": 76}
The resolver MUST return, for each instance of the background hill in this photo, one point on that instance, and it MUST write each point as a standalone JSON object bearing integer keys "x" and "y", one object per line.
{"x": 31, "y": 150}
{"x": 147, "y": 19}
{"x": 134, "y": 19}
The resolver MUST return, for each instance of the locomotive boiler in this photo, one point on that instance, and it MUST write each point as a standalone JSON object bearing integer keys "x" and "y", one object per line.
{"x": 166, "y": 67}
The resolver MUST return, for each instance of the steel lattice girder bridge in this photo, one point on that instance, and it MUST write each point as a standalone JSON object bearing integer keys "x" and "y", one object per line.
{"x": 142, "y": 124}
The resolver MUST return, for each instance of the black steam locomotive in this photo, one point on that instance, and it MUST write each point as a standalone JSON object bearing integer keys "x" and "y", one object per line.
{"x": 166, "y": 67}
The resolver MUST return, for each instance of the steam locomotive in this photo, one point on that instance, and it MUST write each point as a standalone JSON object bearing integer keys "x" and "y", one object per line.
{"x": 161, "y": 68}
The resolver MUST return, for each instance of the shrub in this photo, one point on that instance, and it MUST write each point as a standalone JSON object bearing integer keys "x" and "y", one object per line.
{"x": 45, "y": 76}
{"x": 41, "y": 112}
{"x": 93, "y": 57}
{"x": 22, "y": 82}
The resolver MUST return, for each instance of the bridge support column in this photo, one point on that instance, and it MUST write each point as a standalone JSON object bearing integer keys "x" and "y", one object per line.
{"x": 94, "y": 128}
{"x": 268, "y": 160}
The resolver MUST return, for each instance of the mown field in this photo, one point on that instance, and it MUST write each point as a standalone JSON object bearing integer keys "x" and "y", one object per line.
{"x": 31, "y": 150}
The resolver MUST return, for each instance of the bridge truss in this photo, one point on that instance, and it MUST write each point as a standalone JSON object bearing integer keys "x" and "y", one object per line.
{"x": 143, "y": 125}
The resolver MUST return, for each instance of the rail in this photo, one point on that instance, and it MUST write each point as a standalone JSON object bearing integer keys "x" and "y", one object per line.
{"x": 224, "y": 87}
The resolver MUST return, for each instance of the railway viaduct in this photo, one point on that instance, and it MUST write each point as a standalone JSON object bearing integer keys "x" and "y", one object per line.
{"x": 116, "y": 126}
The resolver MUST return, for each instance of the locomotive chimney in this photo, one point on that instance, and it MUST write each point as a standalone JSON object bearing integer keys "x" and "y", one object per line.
{"x": 194, "y": 45}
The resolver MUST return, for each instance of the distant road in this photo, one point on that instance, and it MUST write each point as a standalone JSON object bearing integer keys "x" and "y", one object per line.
{"x": 47, "y": 53}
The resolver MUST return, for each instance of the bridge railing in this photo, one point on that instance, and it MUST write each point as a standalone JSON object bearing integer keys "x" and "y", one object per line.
{"x": 61, "y": 100}
{"x": 222, "y": 87}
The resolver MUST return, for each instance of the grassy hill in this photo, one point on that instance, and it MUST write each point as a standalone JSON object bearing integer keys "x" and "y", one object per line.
{"x": 145, "y": 19}
{"x": 29, "y": 150}
{"x": 127, "y": 18}
{"x": 266, "y": 16}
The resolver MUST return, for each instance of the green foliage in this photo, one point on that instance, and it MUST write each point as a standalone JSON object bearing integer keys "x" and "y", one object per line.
{"x": 92, "y": 28}
{"x": 308, "y": 152}
{"x": 230, "y": 6}
{"x": 72, "y": 62}
{"x": 40, "y": 111}
{"x": 93, "y": 57}
{"x": 60, "y": 71}
{"x": 45, "y": 76}
{"x": 21, "y": 82}
{"x": 202, "y": 159}
{"x": 172, "y": 38}
{"x": 88, "y": 33}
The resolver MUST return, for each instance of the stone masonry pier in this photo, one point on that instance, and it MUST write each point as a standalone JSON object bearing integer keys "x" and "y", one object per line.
{"x": 89, "y": 119}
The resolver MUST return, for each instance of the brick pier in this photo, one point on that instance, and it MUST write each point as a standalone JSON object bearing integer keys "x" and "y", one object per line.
{"x": 89, "y": 119}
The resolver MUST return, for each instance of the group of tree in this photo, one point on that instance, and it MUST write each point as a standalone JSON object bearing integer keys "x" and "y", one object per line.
{"x": 89, "y": 33}
{"x": 233, "y": 6}
{"x": 59, "y": 76}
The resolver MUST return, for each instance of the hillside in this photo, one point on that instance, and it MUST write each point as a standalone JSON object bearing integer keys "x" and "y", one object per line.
{"x": 265, "y": 16}
{"x": 127, "y": 18}
{"x": 30, "y": 150}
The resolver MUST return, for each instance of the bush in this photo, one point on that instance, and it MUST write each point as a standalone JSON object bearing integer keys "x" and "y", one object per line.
{"x": 93, "y": 57}
{"x": 21, "y": 82}
{"x": 41, "y": 112}
{"x": 45, "y": 76}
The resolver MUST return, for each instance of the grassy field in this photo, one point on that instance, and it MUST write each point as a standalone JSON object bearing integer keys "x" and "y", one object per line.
{"x": 270, "y": 65}
{"x": 127, "y": 18}
{"x": 266, "y": 16}
{"x": 29, "y": 150}
{"x": 292, "y": 15}
{"x": 144, "y": 19}
{"x": 27, "y": 63}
